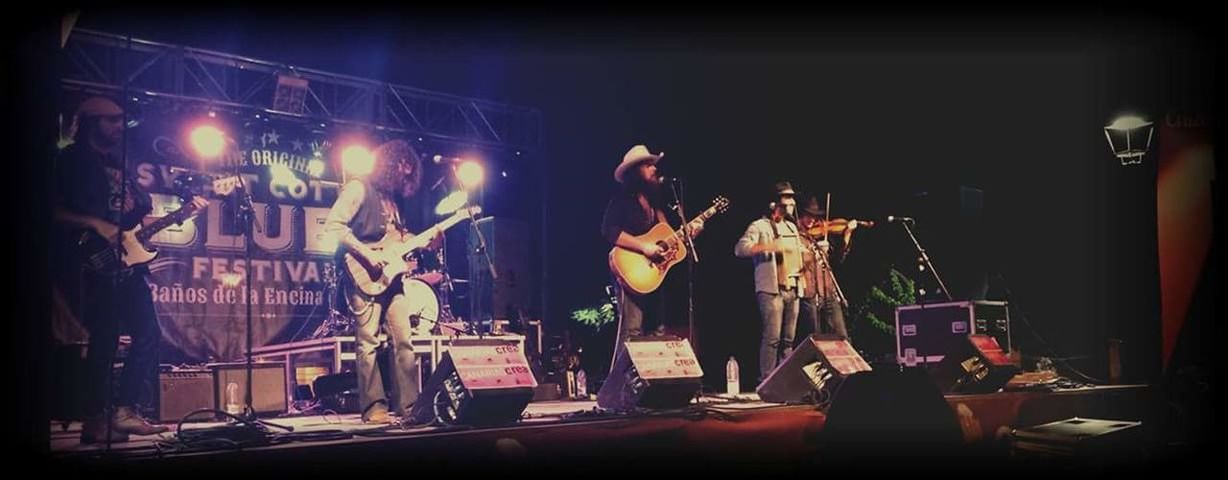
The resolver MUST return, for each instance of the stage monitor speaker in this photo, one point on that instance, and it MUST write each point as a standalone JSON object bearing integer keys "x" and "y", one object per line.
{"x": 812, "y": 371}
{"x": 182, "y": 392}
{"x": 478, "y": 382}
{"x": 886, "y": 412}
{"x": 976, "y": 364}
{"x": 652, "y": 372}
{"x": 269, "y": 395}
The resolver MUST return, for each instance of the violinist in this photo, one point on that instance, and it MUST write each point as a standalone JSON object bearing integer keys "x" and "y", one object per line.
{"x": 824, "y": 301}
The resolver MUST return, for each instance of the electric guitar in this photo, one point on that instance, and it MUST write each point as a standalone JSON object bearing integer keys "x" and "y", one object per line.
{"x": 643, "y": 275}
{"x": 394, "y": 249}
{"x": 101, "y": 255}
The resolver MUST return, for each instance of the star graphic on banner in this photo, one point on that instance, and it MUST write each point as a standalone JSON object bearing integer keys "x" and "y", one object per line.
{"x": 273, "y": 136}
{"x": 297, "y": 145}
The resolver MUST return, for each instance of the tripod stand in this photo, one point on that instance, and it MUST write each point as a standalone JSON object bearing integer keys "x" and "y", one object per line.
{"x": 245, "y": 213}
{"x": 335, "y": 324}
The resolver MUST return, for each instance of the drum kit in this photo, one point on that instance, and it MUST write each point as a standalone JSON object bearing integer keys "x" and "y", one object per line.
{"x": 424, "y": 286}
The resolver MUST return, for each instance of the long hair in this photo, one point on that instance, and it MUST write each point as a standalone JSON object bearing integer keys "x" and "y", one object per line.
{"x": 84, "y": 126}
{"x": 633, "y": 183}
{"x": 388, "y": 176}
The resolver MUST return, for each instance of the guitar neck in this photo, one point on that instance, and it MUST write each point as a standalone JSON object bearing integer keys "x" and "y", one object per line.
{"x": 449, "y": 223}
{"x": 160, "y": 224}
{"x": 420, "y": 240}
{"x": 705, "y": 215}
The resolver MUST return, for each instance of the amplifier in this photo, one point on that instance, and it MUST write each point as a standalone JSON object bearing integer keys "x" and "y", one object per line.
{"x": 268, "y": 386}
{"x": 181, "y": 392}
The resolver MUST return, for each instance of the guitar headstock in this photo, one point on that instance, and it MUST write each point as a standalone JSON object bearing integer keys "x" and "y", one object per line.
{"x": 227, "y": 185}
{"x": 192, "y": 184}
{"x": 720, "y": 204}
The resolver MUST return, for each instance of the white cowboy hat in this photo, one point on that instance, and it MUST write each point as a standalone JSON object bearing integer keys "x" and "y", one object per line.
{"x": 637, "y": 154}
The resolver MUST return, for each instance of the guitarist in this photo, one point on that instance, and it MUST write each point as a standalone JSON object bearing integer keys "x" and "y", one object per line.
{"x": 634, "y": 210}
{"x": 92, "y": 198}
{"x": 365, "y": 210}
{"x": 773, "y": 242}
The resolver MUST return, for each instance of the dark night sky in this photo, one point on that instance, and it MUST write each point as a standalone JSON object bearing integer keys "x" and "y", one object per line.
{"x": 872, "y": 111}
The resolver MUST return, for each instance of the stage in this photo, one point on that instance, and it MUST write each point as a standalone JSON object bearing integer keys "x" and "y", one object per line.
{"x": 713, "y": 431}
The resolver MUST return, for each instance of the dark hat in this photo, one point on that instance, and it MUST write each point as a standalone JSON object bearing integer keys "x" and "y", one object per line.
{"x": 812, "y": 207}
{"x": 784, "y": 188}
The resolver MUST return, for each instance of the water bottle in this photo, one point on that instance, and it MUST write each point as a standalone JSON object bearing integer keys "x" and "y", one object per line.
{"x": 581, "y": 385}
{"x": 733, "y": 384}
{"x": 233, "y": 406}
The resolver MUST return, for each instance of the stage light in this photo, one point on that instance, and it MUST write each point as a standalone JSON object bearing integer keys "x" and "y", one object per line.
{"x": 505, "y": 174}
{"x": 231, "y": 280}
{"x": 208, "y": 141}
{"x": 438, "y": 158}
{"x": 452, "y": 202}
{"x": 470, "y": 174}
{"x": 315, "y": 167}
{"x": 1130, "y": 147}
{"x": 357, "y": 160}
{"x": 281, "y": 174}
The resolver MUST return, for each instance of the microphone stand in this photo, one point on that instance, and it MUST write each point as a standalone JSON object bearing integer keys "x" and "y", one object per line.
{"x": 826, "y": 266}
{"x": 494, "y": 275}
{"x": 116, "y": 278}
{"x": 925, "y": 261}
{"x": 246, "y": 213}
{"x": 680, "y": 209}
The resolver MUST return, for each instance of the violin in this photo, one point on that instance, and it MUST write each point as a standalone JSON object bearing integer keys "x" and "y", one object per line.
{"x": 836, "y": 225}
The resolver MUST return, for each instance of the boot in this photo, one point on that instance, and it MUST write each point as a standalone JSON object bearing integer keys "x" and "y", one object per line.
{"x": 127, "y": 420}
{"x": 94, "y": 430}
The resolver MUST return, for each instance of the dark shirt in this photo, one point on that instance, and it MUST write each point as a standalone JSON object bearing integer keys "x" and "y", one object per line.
{"x": 624, "y": 213}
{"x": 89, "y": 184}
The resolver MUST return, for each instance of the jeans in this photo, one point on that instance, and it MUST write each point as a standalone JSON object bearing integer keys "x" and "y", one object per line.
{"x": 826, "y": 310}
{"x": 367, "y": 316}
{"x": 108, "y": 306}
{"x": 632, "y": 310}
{"x": 779, "y": 312}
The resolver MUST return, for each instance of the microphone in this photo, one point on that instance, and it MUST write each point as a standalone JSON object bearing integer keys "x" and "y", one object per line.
{"x": 895, "y": 219}
{"x": 661, "y": 179}
{"x": 442, "y": 159}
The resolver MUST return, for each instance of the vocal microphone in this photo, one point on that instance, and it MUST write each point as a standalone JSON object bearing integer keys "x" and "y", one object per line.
{"x": 894, "y": 219}
{"x": 662, "y": 179}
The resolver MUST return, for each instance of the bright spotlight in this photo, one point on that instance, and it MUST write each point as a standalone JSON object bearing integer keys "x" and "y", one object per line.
{"x": 281, "y": 174}
{"x": 357, "y": 160}
{"x": 470, "y": 174}
{"x": 208, "y": 141}
{"x": 315, "y": 167}
{"x": 452, "y": 203}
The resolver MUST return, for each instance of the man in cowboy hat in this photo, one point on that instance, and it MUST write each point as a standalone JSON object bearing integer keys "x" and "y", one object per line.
{"x": 633, "y": 211}
{"x": 821, "y": 301}
{"x": 773, "y": 244}
{"x": 366, "y": 209}
{"x": 96, "y": 193}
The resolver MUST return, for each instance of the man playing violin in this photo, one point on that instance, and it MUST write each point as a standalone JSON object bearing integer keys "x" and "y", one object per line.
{"x": 823, "y": 301}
